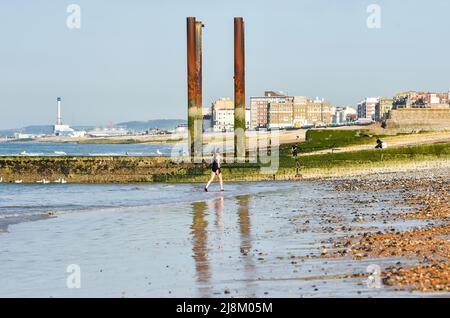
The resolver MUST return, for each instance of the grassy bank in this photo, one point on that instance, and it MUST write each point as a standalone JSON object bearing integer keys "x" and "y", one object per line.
{"x": 408, "y": 153}
{"x": 376, "y": 161}
{"x": 321, "y": 139}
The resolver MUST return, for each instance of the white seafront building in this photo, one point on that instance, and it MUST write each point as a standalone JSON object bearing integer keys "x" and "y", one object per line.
{"x": 108, "y": 132}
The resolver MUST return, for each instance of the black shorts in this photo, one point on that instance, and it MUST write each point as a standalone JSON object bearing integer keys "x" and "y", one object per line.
{"x": 215, "y": 168}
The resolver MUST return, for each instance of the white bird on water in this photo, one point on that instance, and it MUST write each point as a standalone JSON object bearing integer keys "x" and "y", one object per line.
{"x": 158, "y": 152}
{"x": 1, "y": 179}
{"x": 18, "y": 181}
{"x": 43, "y": 181}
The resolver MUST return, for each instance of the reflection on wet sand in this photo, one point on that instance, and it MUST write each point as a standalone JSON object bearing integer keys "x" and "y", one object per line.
{"x": 199, "y": 232}
{"x": 244, "y": 223}
{"x": 246, "y": 242}
{"x": 200, "y": 244}
{"x": 218, "y": 210}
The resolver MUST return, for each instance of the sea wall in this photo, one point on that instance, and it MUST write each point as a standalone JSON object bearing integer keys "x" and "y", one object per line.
{"x": 123, "y": 170}
{"x": 423, "y": 118}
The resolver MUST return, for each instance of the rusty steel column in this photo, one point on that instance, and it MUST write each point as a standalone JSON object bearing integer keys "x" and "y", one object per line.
{"x": 192, "y": 82}
{"x": 239, "y": 88}
{"x": 198, "y": 126}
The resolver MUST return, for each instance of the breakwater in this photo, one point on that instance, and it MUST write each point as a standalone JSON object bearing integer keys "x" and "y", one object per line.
{"x": 125, "y": 169}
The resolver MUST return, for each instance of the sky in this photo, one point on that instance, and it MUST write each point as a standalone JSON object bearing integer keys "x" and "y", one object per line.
{"x": 127, "y": 61}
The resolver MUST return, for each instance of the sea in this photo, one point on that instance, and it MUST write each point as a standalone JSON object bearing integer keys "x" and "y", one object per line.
{"x": 75, "y": 149}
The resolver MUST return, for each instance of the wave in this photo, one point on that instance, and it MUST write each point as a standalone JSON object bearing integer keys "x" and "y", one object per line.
{"x": 30, "y": 154}
{"x": 109, "y": 154}
{"x": 28, "y": 214}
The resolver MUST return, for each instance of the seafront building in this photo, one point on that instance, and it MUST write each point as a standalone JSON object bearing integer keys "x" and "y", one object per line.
{"x": 407, "y": 100}
{"x": 382, "y": 108}
{"x": 300, "y": 111}
{"x": 222, "y": 111}
{"x": 407, "y": 110}
{"x": 277, "y": 110}
{"x": 280, "y": 115}
{"x": 419, "y": 110}
{"x": 366, "y": 108}
{"x": 220, "y": 117}
{"x": 259, "y": 108}
{"x": 413, "y": 99}
{"x": 319, "y": 112}
{"x": 344, "y": 115}
{"x": 108, "y": 132}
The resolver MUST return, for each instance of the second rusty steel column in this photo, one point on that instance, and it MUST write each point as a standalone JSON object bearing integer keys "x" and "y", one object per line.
{"x": 239, "y": 88}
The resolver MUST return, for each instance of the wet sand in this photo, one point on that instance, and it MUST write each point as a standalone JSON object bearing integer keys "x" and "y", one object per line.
{"x": 273, "y": 239}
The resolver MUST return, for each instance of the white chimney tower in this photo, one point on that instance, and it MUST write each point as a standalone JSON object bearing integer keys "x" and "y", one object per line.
{"x": 58, "y": 119}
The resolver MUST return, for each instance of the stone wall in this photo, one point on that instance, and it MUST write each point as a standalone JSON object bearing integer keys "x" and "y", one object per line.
{"x": 422, "y": 118}
{"x": 90, "y": 169}
{"x": 123, "y": 170}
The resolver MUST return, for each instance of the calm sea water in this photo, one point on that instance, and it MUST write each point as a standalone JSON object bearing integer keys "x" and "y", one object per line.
{"x": 163, "y": 240}
{"x": 73, "y": 149}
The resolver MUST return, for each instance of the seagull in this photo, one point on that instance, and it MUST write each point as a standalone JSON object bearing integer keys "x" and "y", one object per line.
{"x": 1, "y": 179}
{"x": 158, "y": 152}
{"x": 63, "y": 181}
{"x": 18, "y": 181}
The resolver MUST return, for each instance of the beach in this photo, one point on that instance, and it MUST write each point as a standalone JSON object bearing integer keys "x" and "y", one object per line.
{"x": 261, "y": 239}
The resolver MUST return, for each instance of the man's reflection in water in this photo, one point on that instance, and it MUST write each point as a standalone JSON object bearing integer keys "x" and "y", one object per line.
{"x": 200, "y": 245}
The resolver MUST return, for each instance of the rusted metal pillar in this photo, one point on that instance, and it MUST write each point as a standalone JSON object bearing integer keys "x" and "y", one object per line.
{"x": 192, "y": 82}
{"x": 198, "y": 126}
{"x": 239, "y": 89}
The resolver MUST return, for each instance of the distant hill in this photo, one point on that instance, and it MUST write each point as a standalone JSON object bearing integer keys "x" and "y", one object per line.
{"x": 35, "y": 129}
{"x": 165, "y": 124}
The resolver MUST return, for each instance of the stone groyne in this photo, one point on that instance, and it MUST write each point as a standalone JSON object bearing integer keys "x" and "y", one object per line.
{"x": 124, "y": 169}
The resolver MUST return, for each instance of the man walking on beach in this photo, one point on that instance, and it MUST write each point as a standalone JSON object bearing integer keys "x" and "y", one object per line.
{"x": 215, "y": 170}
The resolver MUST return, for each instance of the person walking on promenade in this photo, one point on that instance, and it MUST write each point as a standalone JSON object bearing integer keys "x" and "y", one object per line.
{"x": 215, "y": 170}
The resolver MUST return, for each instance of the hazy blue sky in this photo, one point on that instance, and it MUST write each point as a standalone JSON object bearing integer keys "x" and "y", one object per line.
{"x": 128, "y": 60}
